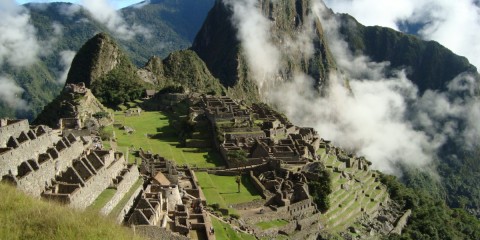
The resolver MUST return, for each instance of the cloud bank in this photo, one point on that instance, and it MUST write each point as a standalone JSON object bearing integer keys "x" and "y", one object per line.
{"x": 381, "y": 117}
{"x": 454, "y": 24}
{"x": 104, "y": 12}
{"x": 10, "y": 94}
{"x": 65, "y": 61}
{"x": 18, "y": 42}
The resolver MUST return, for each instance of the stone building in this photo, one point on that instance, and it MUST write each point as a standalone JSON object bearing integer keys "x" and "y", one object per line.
{"x": 172, "y": 200}
{"x": 61, "y": 166}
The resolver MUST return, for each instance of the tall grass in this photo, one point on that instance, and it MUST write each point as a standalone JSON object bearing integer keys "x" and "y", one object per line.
{"x": 23, "y": 217}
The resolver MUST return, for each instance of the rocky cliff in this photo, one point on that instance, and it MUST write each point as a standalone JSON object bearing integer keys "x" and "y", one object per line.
{"x": 96, "y": 58}
{"x": 429, "y": 65}
{"x": 218, "y": 45}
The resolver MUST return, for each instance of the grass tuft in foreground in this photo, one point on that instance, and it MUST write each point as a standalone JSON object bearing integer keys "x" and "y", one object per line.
{"x": 23, "y": 217}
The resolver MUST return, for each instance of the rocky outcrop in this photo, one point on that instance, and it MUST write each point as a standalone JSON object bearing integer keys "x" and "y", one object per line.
{"x": 75, "y": 101}
{"x": 97, "y": 57}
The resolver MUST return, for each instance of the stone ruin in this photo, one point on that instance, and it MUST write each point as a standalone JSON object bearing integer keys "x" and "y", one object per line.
{"x": 171, "y": 200}
{"x": 273, "y": 137}
{"x": 50, "y": 164}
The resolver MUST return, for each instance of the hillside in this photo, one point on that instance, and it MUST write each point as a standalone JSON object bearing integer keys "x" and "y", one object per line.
{"x": 172, "y": 25}
{"x": 218, "y": 45}
{"x": 181, "y": 69}
{"x": 23, "y": 217}
{"x": 430, "y": 65}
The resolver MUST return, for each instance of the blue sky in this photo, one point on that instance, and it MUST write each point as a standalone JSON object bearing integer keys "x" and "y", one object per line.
{"x": 116, "y": 3}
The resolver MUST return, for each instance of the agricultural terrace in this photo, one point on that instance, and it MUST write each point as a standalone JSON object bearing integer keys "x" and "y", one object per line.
{"x": 224, "y": 231}
{"x": 153, "y": 131}
{"x": 223, "y": 190}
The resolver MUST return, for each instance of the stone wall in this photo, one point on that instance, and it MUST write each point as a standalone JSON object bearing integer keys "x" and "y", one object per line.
{"x": 249, "y": 205}
{"x": 308, "y": 221}
{"x": 35, "y": 181}
{"x": 11, "y": 158}
{"x": 156, "y": 233}
{"x": 129, "y": 205}
{"x": 197, "y": 143}
{"x": 126, "y": 182}
{"x": 85, "y": 196}
{"x": 255, "y": 135}
{"x": 258, "y": 185}
{"x": 10, "y": 128}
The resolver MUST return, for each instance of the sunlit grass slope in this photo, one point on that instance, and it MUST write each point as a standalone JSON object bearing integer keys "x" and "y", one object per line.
{"x": 23, "y": 217}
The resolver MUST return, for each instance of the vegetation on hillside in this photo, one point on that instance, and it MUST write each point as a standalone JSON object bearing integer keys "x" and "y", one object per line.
{"x": 429, "y": 65}
{"x": 431, "y": 218}
{"x": 321, "y": 189}
{"x": 218, "y": 45}
{"x": 23, "y": 217}
{"x": 186, "y": 71}
{"x": 171, "y": 24}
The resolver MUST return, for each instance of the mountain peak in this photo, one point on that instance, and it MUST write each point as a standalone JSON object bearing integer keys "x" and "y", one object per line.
{"x": 96, "y": 57}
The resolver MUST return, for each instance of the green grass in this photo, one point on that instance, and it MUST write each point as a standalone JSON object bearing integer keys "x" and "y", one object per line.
{"x": 271, "y": 224}
{"x": 116, "y": 210}
{"x": 102, "y": 199}
{"x": 23, "y": 217}
{"x": 223, "y": 189}
{"x": 224, "y": 231}
{"x": 163, "y": 140}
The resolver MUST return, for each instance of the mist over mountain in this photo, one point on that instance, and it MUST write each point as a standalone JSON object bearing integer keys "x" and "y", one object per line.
{"x": 42, "y": 38}
{"x": 407, "y": 104}
{"x": 403, "y": 102}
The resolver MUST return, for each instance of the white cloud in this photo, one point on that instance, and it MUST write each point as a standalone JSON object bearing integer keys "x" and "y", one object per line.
{"x": 454, "y": 24}
{"x": 65, "y": 61}
{"x": 141, "y": 4}
{"x": 18, "y": 42}
{"x": 254, "y": 33}
{"x": 381, "y": 117}
{"x": 104, "y": 12}
{"x": 10, "y": 94}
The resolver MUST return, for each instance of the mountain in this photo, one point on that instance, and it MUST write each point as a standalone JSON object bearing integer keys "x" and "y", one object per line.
{"x": 217, "y": 44}
{"x": 428, "y": 64}
{"x": 182, "y": 69}
{"x": 431, "y": 67}
{"x": 64, "y": 27}
{"x": 105, "y": 75}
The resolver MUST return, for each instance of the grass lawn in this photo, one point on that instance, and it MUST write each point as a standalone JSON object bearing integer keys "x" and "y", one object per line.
{"x": 271, "y": 224}
{"x": 153, "y": 132}
{"x": 223, "y": 189}
{"x": 224, "y": 231}
{"x": 102, "y": 199}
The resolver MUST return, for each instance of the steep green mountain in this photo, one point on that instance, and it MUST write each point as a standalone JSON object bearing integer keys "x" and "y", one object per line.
{"x": 429, "y": 64}
{"x": 102, "y": 67}
{"x": 183, "y": 70}
{"x": 171, "y": 23}
{"x": 218, "y": 46}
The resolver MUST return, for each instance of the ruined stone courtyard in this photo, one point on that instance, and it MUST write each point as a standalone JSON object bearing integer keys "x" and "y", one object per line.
{"x": 273, "y": 161}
